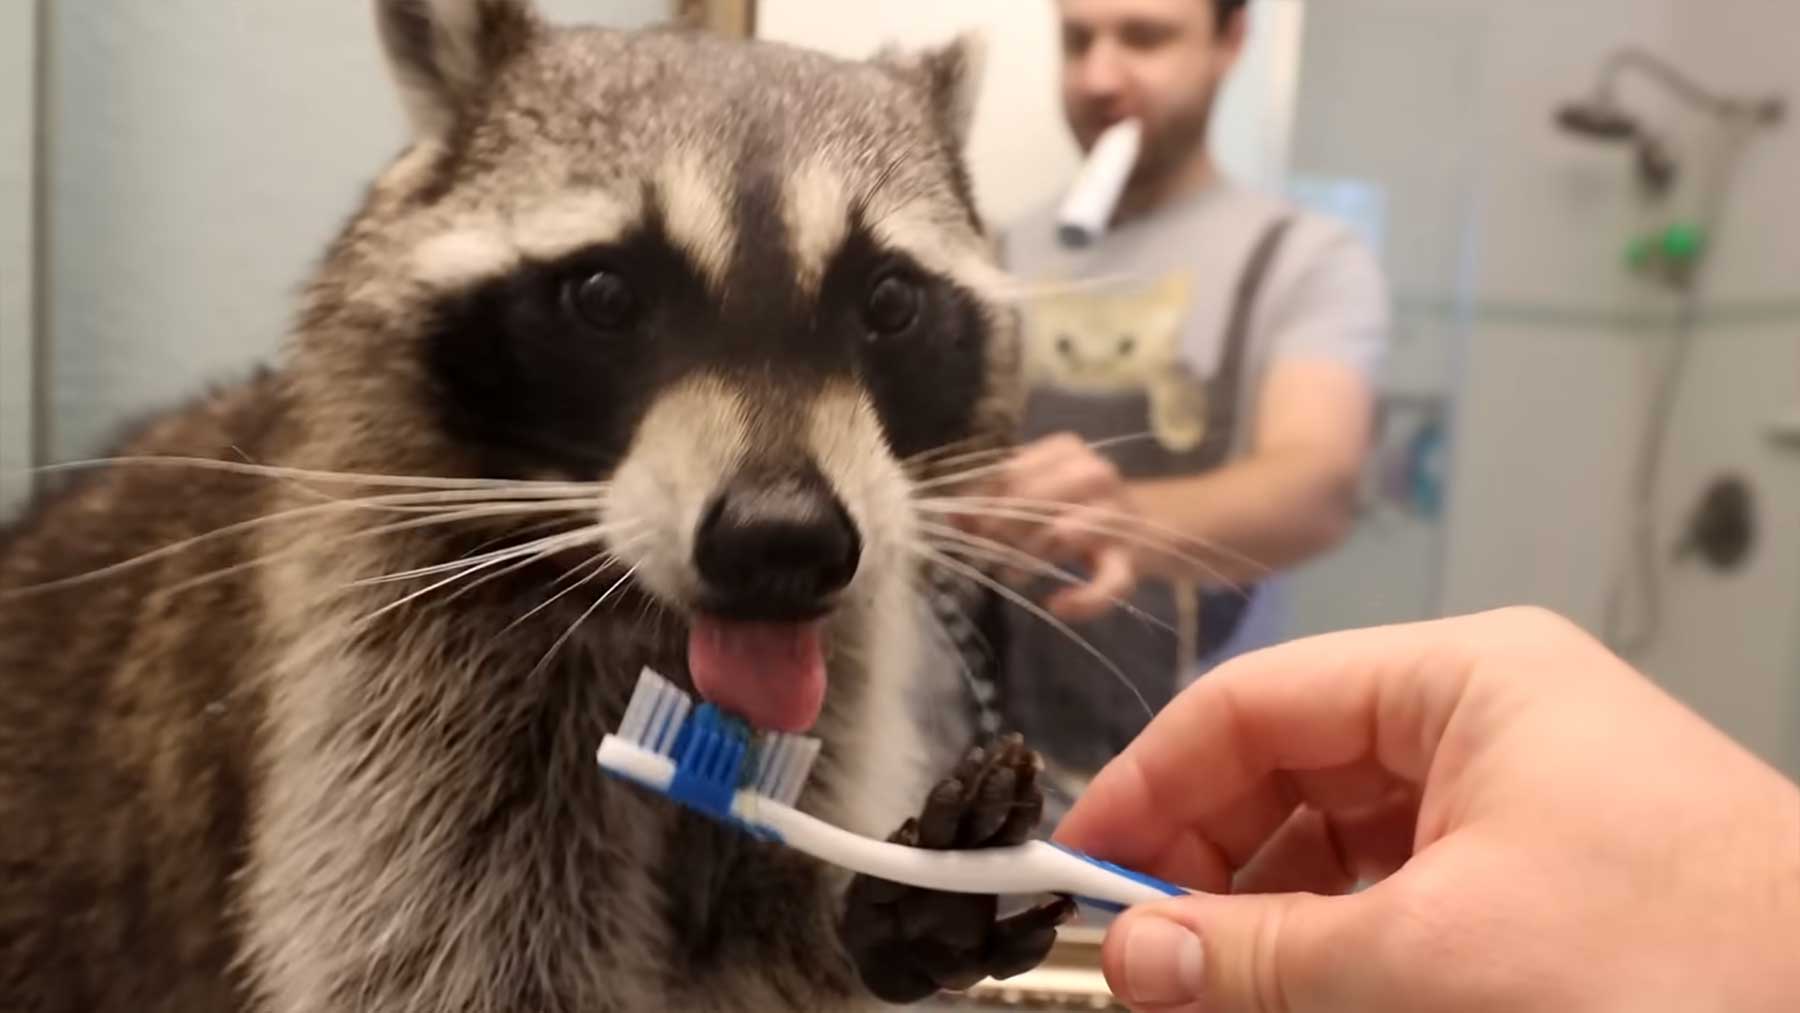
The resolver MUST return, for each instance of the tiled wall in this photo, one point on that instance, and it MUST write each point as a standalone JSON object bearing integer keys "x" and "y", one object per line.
{"x": 1558, "y": 349}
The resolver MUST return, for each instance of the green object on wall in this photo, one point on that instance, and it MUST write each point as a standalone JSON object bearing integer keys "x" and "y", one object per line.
{"x": 1678, "y": 246}
{"x": 1683, "y": 242}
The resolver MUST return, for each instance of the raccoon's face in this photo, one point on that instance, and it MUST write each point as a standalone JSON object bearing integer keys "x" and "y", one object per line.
{"x": 740, "y": 284}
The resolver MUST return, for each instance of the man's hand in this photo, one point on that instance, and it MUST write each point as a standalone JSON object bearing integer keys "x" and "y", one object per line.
{"x": 1291, "y": 497}
{"x": 1546, "y": 830}
{"x": 1082, "y": 513}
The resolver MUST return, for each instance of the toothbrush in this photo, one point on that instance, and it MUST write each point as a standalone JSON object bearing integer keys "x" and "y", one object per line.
{"x": 710, "y": 762}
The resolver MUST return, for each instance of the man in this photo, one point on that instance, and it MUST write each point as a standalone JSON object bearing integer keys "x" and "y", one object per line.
{"x": 1227, "y": 382}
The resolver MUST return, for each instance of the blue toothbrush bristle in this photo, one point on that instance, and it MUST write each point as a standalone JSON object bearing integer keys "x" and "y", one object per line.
{"x": 709, "y": 760}
{"x": 715, "y": 754}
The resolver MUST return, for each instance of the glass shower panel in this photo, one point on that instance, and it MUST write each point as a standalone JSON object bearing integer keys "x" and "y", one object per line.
{"x": 1385, "y": 138}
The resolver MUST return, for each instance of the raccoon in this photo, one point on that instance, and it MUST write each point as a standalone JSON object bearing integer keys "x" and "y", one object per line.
{"x": 640, "y": 353}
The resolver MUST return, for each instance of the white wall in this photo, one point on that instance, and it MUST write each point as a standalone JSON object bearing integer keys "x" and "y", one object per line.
{"x": 1020, "y": 154}
{"x": 201, "y": 154}
{"x": 18, "y": 98}
{"x": 1390, "y": 96}
{"x": 1020, "y": 149}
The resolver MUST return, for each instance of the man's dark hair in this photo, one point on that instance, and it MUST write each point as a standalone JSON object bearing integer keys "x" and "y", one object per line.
{"x": 1227, "y": 8}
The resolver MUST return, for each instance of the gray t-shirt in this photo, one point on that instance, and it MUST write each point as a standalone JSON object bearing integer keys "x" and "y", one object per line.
{"x": 1125, "y": 338}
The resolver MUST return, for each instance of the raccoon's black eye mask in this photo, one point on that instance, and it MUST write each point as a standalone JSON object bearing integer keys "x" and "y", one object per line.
{"x": 550, "y": 365}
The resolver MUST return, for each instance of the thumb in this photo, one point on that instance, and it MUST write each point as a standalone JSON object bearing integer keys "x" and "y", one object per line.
{"x": 1220, "y": 953}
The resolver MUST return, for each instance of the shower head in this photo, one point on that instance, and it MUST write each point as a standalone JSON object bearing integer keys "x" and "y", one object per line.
{"x": 1598, "y": 119}
{"x": 1601, "y": 117}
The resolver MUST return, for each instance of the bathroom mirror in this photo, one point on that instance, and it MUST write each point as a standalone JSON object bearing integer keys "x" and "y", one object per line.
{"x": 1594, "y": 308}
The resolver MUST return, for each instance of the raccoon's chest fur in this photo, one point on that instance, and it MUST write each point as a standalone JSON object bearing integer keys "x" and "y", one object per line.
{"x": 432, "y": 833}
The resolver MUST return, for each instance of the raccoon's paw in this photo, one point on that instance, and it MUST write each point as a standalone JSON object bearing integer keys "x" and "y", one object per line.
{"x": 909, "y": 943}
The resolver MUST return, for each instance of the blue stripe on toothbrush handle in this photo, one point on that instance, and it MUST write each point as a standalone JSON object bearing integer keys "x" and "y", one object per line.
{"x": 1114, "y": 907}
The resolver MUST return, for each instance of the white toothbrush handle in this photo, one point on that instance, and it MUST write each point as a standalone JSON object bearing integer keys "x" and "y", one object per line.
{"x": 1032, "y": 867}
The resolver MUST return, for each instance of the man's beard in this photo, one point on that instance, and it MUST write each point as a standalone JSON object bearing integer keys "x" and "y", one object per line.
{"x": 1171, "y": 145}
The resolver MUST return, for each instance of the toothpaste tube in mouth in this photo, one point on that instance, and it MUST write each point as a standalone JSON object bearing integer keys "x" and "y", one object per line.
{"x": 1088, "y": 208}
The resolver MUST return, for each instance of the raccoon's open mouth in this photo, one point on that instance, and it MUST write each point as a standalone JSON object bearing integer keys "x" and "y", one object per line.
{"x": 774, "y": 554}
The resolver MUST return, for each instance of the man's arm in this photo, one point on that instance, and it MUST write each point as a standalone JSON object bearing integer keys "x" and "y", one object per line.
{"x": 1291, "y": 497}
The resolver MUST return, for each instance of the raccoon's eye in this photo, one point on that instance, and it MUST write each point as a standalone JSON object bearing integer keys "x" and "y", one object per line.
{"x": 893, "y": 305}
{"x": 603, "y": 300}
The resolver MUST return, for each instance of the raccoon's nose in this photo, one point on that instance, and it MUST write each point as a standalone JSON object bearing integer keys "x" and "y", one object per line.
{"x": 776, "y": 547}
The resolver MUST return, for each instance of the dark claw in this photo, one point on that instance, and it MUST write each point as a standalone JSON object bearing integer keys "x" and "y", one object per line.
{"x": 890, "y": 974}
{"x": 1016, "y": 956}
{"x": 943, "y": 812}
{"x": 970, "y": 767}
{"x": 1023, "y": 819}
{"x": 956, "y": 919}
{"x": 910, "y": 943}
{"x": 989, "y": 810}
{"x": 948, "y": 966}
{"x": 1022, "y": 941}
{"x": 869, "y": 891}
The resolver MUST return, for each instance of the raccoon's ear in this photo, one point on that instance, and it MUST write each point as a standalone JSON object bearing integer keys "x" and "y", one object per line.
{"x": 444, "y": 52}
{"x": 951, "y": 77}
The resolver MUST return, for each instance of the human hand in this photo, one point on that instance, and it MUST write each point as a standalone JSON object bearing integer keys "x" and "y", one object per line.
{"x": 1545, "y": 830}
{"x": 1060, "y": 502}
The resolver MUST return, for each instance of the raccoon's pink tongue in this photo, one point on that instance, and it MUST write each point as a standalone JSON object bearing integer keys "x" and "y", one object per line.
{"x": 770, "y": 674}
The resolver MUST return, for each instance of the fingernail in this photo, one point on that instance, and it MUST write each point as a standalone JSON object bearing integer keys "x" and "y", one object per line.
{"x": 1164, "y": 962}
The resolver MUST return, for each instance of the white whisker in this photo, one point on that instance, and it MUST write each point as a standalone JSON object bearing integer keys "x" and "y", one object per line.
{"x": 471, "y": 567}
{"x": 1021, "y": 601}
{"x": 557, "y": 646}
{"x": 600, "y": 563}
{"x": 529, "y": 529}
{"x": 328, "y": 477}
{"x": 939, "y": 481}
{"x": 1095, "y": 520}
{"x": 594, "y": 530}
{"x": 539, "y": 557}
{"x": 296, "y": 513}
{"x": 375, "y": 532}
{"x": 949, "y": 454}
{"x": 987, "y": 550}
{"x": 943, "y": 632}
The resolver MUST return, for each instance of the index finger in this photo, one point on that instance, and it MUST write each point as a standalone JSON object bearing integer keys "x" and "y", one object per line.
{"x": 1114, "y": 577}
{"x": 1191, "y": 781}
